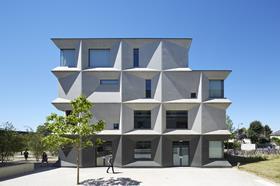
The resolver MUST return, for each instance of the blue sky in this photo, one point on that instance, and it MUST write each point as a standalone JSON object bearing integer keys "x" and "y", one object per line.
{"x": 243, "y": 36}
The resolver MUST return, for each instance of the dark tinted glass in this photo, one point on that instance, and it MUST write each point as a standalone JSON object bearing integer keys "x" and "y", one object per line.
{"x": 177, "y": 119}
{"x": 142, "y": 119}
{"x": 136, "y": 57}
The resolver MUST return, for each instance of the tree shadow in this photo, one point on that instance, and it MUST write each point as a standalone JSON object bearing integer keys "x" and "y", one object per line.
{"x": 111, "y": 181}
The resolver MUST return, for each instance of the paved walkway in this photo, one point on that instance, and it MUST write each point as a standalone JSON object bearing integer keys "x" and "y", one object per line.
{"x": 142, "y": 176}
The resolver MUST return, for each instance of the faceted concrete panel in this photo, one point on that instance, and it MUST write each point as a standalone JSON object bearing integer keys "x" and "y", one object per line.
{"x": 193, "y": 114}
{"x": 174, "y": 55}
{"x": 128, "y": 117}
{"x": 149, "y": 53}
{"x": 70, "y": 86}
{"x": 179, "y": 85}
{"x": 110, "y": 113}
{"x": 133, "y": 86}
{"x": 96, "y": 92}
{"x": 213, "y": 119}
{"x": 113, "y": 44}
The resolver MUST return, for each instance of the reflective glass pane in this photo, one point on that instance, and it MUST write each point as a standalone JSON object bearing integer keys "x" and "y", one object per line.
{"x": 99, "y": 58}
{"x": 67, "y": 58}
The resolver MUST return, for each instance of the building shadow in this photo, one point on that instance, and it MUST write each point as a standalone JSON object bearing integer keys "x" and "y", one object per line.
{"x": 111, "y": 181}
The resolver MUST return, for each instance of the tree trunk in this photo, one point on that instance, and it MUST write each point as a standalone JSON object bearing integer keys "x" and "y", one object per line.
{"x": 78, "y": 164}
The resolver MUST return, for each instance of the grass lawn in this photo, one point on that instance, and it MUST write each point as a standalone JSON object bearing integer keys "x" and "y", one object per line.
{"x": 269, "y": 168}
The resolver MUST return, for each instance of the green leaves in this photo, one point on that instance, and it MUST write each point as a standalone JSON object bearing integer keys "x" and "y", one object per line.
{"x": 75, "y": 128}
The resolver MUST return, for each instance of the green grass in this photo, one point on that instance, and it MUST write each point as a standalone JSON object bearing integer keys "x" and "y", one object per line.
{"x": 269, "y": 168}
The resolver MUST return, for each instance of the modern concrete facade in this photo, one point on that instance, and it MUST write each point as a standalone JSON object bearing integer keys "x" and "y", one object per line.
{"x": 141, "y": 91}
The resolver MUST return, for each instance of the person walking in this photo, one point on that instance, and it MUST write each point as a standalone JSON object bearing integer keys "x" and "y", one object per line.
{"x": 44, "y": 158}
{"x": 25, "y": 154}
{"x": 110, "y": 164}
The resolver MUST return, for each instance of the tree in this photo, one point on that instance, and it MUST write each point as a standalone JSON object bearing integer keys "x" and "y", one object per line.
{"x": 255, "y": 131}
{"x": 36, "y": 144}
{"x": 74, "y": 129}
{"x": 267, "y": 131}
{"x": 229, "y": 124}
{"x": 10, "y": 141}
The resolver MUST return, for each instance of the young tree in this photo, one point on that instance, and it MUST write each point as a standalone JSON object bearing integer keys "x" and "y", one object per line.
{"x": 36, "y": 145}
{"x": 229, "y": 124}
{"x": 74, "y": 129}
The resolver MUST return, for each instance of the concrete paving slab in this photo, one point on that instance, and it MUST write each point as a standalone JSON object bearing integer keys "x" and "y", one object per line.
{"x": 142, "y": 176}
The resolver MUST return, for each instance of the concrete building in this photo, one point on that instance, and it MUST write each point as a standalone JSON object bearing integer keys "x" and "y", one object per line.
{"x": 158, "y": 112}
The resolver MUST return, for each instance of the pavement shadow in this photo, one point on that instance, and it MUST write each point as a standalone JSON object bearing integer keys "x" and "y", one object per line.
{"x": 111, "y": 181}
{"x": 38, "y": 167}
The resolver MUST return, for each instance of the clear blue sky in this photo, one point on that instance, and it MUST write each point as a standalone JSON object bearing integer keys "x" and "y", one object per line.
{"x": 243, "y": 36}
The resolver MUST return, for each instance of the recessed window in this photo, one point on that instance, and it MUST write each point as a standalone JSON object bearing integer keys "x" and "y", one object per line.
{"x": 142, "y": 119}
{"x": 116, "y": 126}
{"x": 99, "y": 58}
{"x": 143, "y": 150}
{"x": 216, "y": 149}
{"x": 216, "y": 88}
{"x": 109, "y": 82}
{"x": 177, "y": 119}
{"x": 68, "y": 58}
{"x": 193, "y": 95}
{"x": 68, "y": 112}
{"x": 148, "y": 85}
{"x": 136, "y": 57}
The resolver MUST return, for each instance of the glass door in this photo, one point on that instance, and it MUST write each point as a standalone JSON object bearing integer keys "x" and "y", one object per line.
{"x": 180, "y": 153}
{"x": 102, "y": 153}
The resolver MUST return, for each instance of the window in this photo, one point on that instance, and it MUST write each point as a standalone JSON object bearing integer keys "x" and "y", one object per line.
{"x": 148, "y": 88}
{"x": 68, "y": 112}
{"x": 109, "y": 82}
{"x": 67, "y": 58}
{"x": 216, "y": 88}
{"x": 143, "y": 150}
{"x": 216, "y": 149}
{"x": 136, "y": 57}
{"x": 99, "y": 58}
{"x": 193, "y": 95}
{"x": 177, "y": 119}
{"x": 116, "y": 126}
{"x": 142, "y": 119}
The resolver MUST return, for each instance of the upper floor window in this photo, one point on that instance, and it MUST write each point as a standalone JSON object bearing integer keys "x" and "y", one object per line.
{"x": 216, "y": 149}
{"x": 99, "y": 58}
{"x": 67, "y": 58}
{"x": 177, "y": 119}
{"x": 148, "y": 84}
{"x": 142, "y": 119}
{"x": 109, "y": 82}
{"x": 216, "y": 88}
{"x": 136, "y": 57}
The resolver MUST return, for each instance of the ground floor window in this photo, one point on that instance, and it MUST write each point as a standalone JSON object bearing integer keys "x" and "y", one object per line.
{"x": 216, "y": 149}
{"x": 143, "y": 150}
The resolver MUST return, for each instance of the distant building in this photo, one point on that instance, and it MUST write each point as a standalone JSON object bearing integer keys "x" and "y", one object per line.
{"x": 275, "y": 134}
{"x": 158, "y": 111}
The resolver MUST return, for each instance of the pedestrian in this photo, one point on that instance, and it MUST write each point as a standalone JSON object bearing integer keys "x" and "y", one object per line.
{"x": 25, "y": 154}
{"x": 44, "y": 158}
{"x": 110, "y": 164}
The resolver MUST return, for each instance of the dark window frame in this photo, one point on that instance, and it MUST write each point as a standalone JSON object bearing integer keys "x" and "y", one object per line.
{"x": 136, "y": 57}
{"x": 61, "y": 51}
{"x": 116, "y": 126}
{"x": 173, "y": 114}
{"x": 138, "y": 116}
{"x": 148, "y": 88}
{"x": 97, "y": 49}
{"x": 108, "y": 81}
{"x": 222, "y": 89}
{"x": 139, "y": 146}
